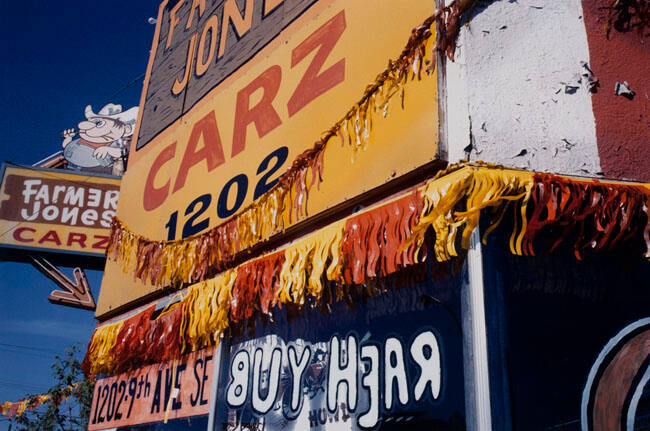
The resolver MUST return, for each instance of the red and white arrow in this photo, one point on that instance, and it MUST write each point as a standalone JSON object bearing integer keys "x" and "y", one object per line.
{"x": 75, "y": 293}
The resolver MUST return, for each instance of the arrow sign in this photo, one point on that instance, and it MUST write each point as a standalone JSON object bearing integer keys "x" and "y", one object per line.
{"x": 75, "y": 293}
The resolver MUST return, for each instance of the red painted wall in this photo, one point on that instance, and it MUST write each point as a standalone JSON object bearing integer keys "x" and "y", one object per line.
{"x": 622, "y": 125}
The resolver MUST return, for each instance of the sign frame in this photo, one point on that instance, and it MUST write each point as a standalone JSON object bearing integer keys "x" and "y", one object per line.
{"x": 93, "y": 259}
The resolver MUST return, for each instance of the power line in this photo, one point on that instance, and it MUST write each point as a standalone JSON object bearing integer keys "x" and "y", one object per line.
{"x": 124, "y": 87}
{"x": 19, "y": 352}
{"x": 21, "y": 385}
{"x": 135, "y": 80}
{"x": 39, "y": 349}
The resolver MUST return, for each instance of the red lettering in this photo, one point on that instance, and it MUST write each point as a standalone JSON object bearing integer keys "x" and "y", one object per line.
{"x": 263, "y": 114}
{"x": 212, "y": 152}
{"x": 18, "y": 234}
{"x": 79, "y": 238}
{"x": 313, "y": 83}
{"x": 50, "y": 236}
{"x": 153, "y": 196}
{"x": 101, "y": 243}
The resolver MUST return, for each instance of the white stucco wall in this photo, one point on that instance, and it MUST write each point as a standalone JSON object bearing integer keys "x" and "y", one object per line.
{"x": 514, "y": 92}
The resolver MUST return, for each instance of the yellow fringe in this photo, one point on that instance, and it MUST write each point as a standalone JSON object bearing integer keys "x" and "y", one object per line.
{"x": 307, "y": 261}
{"x": 478, "y": 188}
{"x": 208, "y": 305}
{"x": 102, "y": 342}
{"x": 452, "y": 203}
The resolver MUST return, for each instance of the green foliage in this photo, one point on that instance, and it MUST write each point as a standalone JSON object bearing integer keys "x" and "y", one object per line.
{"x": 68, "y": 408}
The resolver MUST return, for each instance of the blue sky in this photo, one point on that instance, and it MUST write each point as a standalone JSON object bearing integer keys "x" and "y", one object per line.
{"x": 57, "y": 57}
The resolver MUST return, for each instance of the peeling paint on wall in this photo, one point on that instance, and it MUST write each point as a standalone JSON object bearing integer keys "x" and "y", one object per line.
{"x": 528, "y": 95}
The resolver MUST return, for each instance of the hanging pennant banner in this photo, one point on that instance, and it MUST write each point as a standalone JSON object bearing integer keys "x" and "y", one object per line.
{"x": 55, "y": 210}
{"x": 240, "y": 129}
{"x": 172, "y": 390}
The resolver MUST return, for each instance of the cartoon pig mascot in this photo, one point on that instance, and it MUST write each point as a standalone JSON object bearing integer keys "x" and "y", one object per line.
{"x": 102, "y": 141}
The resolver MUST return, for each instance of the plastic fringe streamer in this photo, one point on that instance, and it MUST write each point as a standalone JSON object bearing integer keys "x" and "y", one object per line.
{"x": 448, "y": 19}
{"x": 454, "y": 202}
{"x": 16, "y": 409}
{"x": 363, "y": 255}
{"x": 207, "y": 306}
{"x": 307, "y": 262}
{"x": 373, "y": 241}
{"x": 164, "y": 337}
{"x": 256, "y": 286}
{"x": 601, "y": 214}
{"x": 98, "y": 358}
{"x": 130, "y": 346}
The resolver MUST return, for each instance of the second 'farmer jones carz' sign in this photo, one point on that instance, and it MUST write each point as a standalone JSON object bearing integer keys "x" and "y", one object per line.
{"x": 56, "y": 210}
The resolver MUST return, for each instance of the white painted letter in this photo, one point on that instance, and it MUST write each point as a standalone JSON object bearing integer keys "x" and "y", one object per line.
{"x": 238, "y": 388}
{"x": 107, "y": 218}
{"x": 50, "y": 212}
{"x": 74, "y": 197}
{"x": 69, "y": 216}
{"x": 43, "y": 194}
{"x": 337, "y": 373}
{"x": 29, "y": 191}
{"x": 263, "y": 405}
{"x": 297, "y": 369}
{"x": 371, "y": 381}
{"x": 89, "y": 217}
{"x": 430, "y": 366}
{"x": 394, "y": 372}
{"x": 56, "y": 192}
{"x": 94, "y": 197}
{"x": 110, "y": 199}
{"x": 25, "y": 216}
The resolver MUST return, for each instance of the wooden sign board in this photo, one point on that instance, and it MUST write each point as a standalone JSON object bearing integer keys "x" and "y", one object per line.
{"x": 216, "y": 39}
{"x": 240, "y": 119}
{"x": 176, "y": 389}
{"x": 53, "y": 210}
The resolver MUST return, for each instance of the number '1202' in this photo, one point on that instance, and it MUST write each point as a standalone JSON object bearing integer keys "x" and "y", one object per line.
{"x": 237, "y": 185}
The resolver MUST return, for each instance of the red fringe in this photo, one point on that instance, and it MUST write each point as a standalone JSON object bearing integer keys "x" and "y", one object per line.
{"x": 256, "y": 286}
{"x": 114, "y": 239}
{"x": 601, "y": 215}
{"x": 131, "y": 344}
{"x": 372, "y": 241}
{"x": 163, "y": 339}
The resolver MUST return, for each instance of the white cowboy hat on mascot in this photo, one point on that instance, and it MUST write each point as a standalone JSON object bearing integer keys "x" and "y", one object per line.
{"x": 114, "y": 112}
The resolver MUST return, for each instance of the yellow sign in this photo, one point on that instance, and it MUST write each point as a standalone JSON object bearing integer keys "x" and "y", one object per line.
{"x": 234, "y": 143}
{"x": 56, "y": 210}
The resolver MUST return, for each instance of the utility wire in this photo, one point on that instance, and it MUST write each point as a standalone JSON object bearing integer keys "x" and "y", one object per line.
{"x": 38, "y": 349}
{"x": 21, "y": 385}
{"x": 135, "y": 80}
{"x": 20, "y": 352}
{"x": 124, "y": 87}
